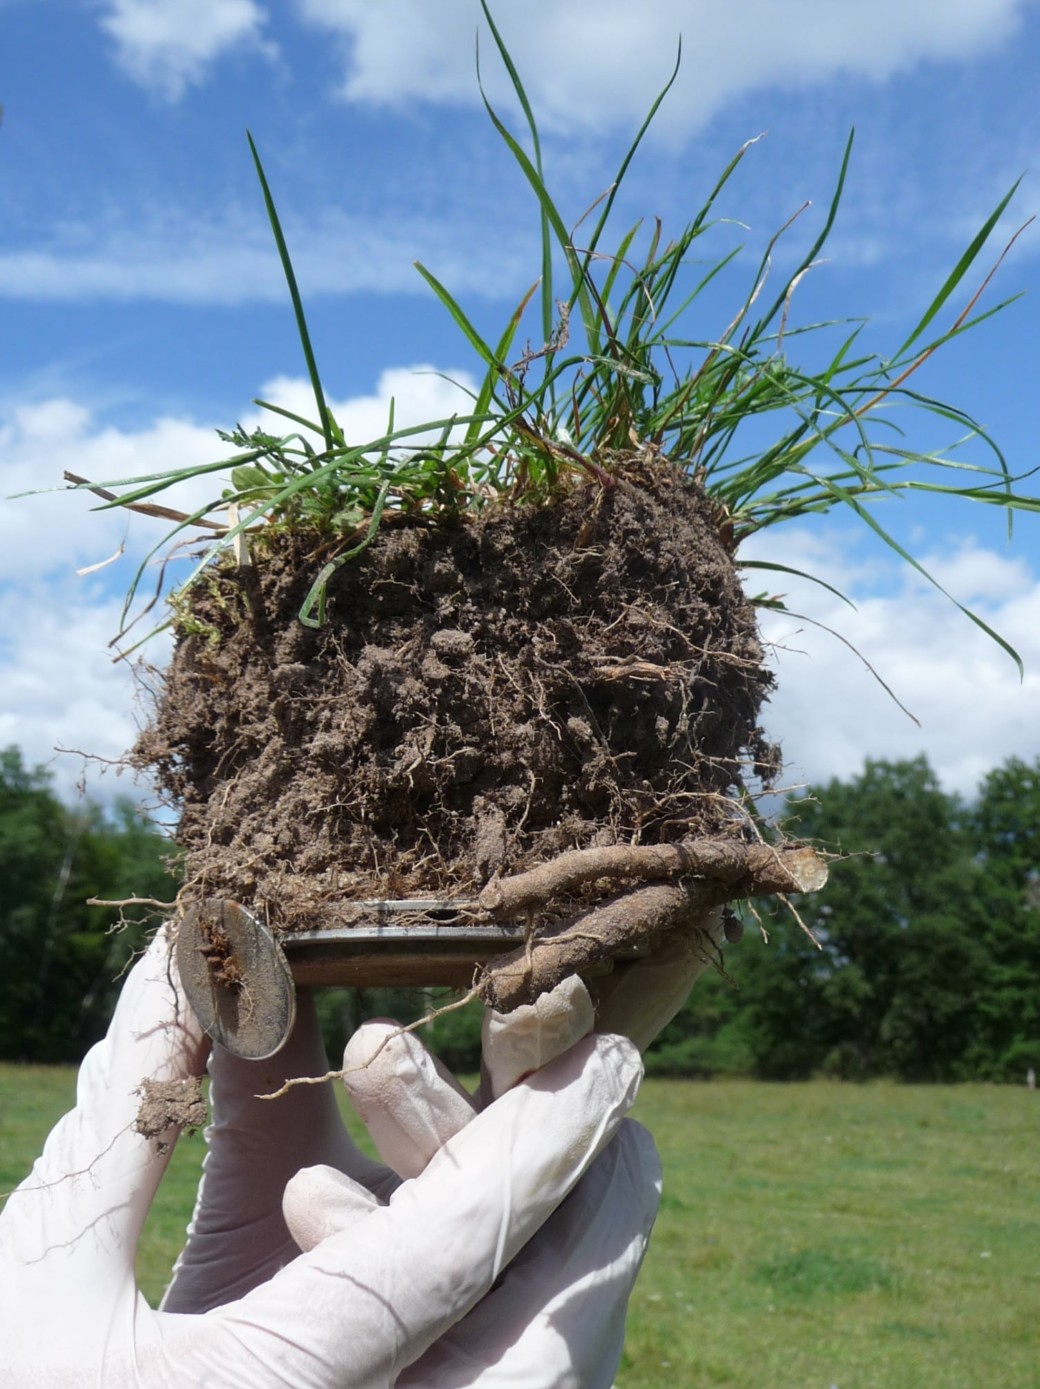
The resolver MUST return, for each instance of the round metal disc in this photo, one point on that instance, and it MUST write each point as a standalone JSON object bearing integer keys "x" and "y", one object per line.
{"x": 236, "y": 978}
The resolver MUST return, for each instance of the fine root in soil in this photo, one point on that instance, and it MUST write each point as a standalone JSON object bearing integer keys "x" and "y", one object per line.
{"x": 488, "y": 695}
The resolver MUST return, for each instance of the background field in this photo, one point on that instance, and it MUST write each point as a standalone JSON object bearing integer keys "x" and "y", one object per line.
{"x": 864, "y": 1237}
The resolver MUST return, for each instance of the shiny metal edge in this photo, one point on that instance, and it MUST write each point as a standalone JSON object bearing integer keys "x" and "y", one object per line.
{"x": 369, "y": 936}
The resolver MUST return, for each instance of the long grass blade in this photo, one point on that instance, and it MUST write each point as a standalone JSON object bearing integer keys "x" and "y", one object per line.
{"x": 773, "y": 567}
{"x": 958, "y": 272}
{"x": 328, "y": 426}
{"x": 459, "y": 315}
{"x": 548, "y": 302}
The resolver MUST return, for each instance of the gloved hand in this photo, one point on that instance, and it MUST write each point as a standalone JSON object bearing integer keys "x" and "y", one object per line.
{"x": 505, "y": 1255}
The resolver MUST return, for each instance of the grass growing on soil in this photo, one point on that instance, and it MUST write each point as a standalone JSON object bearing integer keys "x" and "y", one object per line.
{"x": 776, "y": 418}
{"x": 873, "y": 1237}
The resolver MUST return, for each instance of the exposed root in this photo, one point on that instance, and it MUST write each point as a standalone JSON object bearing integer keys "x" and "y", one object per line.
{"x": 131, "y": 902}
{"x": 636, "y": 919}
{"x": 772, "y": 869}
{"x": 401, "y": 1031}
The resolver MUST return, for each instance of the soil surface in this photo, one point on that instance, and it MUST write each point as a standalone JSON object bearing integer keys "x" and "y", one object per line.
{"x": 485, "y": 694}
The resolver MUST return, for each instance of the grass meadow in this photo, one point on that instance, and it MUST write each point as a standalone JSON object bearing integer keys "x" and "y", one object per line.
{"x": 810, "y": 1236}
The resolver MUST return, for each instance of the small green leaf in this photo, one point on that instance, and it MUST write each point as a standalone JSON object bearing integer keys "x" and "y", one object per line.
{"x": 247, "y": 478}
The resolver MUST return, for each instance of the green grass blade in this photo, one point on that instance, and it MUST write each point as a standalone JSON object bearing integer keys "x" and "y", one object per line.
{"x": 487, "y": 392}
{"x": 960, "y": 269}
{"x": 551, "y": 214}
{"x": 776, "y": 568}
{"x": 319, "y": 589}
{"x": 817, "y": 245}
{"x": 312, "y": 425}
{"x": 329, "y": 429}
{"x": 905, "y": 554}
{"x": 548, "y": 302}
{"x": 630, "y": 154}
{"x": 458, "y": 314}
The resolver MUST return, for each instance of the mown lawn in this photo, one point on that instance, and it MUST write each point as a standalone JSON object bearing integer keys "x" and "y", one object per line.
{"x": 873, "y": 1237}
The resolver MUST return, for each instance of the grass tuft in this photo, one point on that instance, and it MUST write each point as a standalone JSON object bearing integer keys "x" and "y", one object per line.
{"x": 622, "y": 369}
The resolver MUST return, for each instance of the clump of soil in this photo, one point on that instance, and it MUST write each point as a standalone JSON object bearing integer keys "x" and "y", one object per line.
{"x": 486, "y": 693}
{"x": 170, "y": 1105}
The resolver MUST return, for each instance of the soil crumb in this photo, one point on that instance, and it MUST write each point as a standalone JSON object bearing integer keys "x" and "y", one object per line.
{"x": 486, "y": 693}
{"x": 167, "y": 1104}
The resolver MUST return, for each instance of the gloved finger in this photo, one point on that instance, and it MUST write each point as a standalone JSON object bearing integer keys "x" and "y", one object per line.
{"x": 556, "y": 1319}
{"x": 74, "y": 1223}
{"x": 238, "y": 1236}
{"x": 517, "y": 1043}
{"x": 637, "y": 1000}
{"x": 377, "y": 1296}
{"x": 406, "y": 1098}
{"x": 321, "y": 1201}
{"x": 412, "y": 1104}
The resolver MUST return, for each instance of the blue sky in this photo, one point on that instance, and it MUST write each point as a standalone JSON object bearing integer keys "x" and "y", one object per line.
{"x": 142, "y": 302}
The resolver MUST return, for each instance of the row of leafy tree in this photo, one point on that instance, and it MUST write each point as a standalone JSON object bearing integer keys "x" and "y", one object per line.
{"x": 925, "y": 963}
{"x": 60, "y": 960}
{"x": 928, "y": 963}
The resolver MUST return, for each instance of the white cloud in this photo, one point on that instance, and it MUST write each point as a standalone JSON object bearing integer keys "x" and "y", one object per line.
{"x": 186, "y": 259}
{"x": 57, "y": 533}
{"x": 595, "y": 63}
{"x": 61, "y": 689}
{"x": 167, "y": 46}
{"x": 830, "y": 712}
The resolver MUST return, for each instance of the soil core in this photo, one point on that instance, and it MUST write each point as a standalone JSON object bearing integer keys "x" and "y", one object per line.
{"x": 487, "y": 692}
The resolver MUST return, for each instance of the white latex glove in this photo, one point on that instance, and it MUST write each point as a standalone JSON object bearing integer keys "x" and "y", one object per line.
{"x": 639, "y": 999}
{"x": 531, "y": 1192}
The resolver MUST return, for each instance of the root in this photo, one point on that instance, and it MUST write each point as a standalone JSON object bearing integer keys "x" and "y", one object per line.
{"x": 401, "y": 1031}
{"x": 705, "y": 874}
{"x": 588, "y": 939}
{"x": 131, "y": 902}
{"x": 770, "y": 869}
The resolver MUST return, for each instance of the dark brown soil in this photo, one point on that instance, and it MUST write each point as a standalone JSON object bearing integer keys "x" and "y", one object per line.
{"x": 486, "y": 694}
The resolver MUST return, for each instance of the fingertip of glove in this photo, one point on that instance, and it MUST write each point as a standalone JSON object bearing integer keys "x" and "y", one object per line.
{"x": 622, "y": 1060}
{"x": 322, "y": 1201}
{"x": 404, "y": 1095}
{"x": 533, "y": 1035}
{"x": 606, "y": 1067}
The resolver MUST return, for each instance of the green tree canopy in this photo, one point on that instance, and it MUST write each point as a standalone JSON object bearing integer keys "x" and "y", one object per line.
{"x": 60, "y": 960}
{"x": 1005, "y": 829}
{"x": 929, "y": 941}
